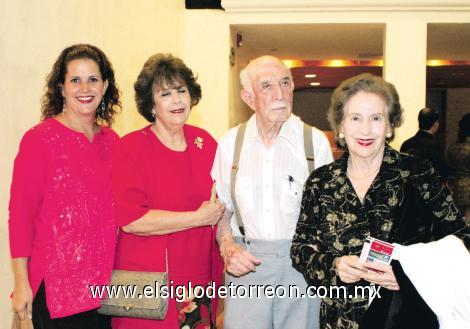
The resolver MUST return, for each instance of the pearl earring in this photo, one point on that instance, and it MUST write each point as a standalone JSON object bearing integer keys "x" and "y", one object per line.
{"x": 341, "y": 136}
{"x": 389, "y": 134}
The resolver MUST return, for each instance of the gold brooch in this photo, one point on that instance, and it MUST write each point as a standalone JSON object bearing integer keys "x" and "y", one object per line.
{"x": 198, "y": 141}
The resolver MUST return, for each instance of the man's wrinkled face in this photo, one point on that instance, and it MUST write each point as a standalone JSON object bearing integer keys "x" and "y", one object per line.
{"x": 272, "y": 92}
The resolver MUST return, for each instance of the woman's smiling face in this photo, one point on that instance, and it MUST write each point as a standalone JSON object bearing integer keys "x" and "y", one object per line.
{"x": 83, "y": 87}
{"x": 365, "y": 125}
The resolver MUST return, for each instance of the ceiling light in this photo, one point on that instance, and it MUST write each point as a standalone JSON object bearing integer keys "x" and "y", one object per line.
{"x": 290, "y": 63}
{"x": 437, "y": 62}
{"x": 314, "y": 83}
{"x": 338, "y": 63}
{"x": 310, "y": 76}
{"x": 376, "y": 62}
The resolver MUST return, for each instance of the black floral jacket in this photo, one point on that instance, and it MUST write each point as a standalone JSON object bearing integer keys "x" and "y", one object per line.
{"x": 333, "y": 222}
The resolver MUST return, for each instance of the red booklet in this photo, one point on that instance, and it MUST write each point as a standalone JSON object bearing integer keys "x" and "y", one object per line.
{"x": 375, "y": 250}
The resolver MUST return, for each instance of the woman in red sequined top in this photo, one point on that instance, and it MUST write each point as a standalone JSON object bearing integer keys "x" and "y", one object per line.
{"x": 62, "y": 221}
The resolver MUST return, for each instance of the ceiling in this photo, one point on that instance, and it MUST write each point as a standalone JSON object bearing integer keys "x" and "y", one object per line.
{"x": 313, "y": 41}
{"x": 357, "y": 42}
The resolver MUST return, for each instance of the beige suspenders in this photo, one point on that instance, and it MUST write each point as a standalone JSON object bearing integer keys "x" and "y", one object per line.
{"x": 308, "y": 146}
{"x": 236, "y": 158}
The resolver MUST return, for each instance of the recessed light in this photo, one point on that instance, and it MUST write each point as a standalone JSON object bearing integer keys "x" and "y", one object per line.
{"x": 437, "y": 62}
{"x": 338, "y": 63}
{"x": 310, "y": 76}
{"x": 314, "y": 83}
{"x": 290, "y": 63}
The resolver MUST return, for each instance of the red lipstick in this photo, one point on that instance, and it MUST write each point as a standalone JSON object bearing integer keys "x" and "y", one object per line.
{"x": 365, "y": 142}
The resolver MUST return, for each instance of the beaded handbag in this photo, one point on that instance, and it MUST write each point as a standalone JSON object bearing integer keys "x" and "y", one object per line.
{"x": 133, "y": 299}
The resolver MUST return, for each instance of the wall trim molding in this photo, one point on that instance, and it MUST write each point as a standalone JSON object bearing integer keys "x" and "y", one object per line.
{"x": 247, "y": 6}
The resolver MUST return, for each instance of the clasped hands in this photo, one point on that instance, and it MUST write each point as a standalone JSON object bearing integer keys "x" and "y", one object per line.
{"x": 238, "y": 261}
{"x": 350, "y": 270}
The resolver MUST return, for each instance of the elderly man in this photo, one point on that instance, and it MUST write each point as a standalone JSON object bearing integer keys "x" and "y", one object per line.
{"x": 259, "y": 169}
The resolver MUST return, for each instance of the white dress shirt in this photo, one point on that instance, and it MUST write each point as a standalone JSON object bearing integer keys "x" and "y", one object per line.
{"x": 269, "y": 181}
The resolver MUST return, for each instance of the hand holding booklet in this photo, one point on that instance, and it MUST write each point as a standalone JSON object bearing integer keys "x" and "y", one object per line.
{"x": 375, "y": 250}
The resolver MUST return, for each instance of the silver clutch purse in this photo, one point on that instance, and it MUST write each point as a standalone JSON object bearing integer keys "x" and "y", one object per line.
{"x": 138, "y": 305}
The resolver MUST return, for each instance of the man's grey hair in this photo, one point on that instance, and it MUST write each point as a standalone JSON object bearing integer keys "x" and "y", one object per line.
{"x": 246, "y": 73}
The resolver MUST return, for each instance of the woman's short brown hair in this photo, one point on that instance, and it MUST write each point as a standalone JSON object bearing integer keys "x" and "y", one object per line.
{"x": 53, "y": 101}
{"x": 158, "y": 70}
{"x": 368, "y": 83}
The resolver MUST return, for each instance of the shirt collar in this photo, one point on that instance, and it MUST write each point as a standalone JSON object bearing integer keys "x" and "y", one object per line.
{"x": 288, "y": 130}
{"x": 251, "y": 132}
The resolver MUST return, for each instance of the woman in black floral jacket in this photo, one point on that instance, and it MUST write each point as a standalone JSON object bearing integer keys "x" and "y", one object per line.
{"x": 372, "y": 190}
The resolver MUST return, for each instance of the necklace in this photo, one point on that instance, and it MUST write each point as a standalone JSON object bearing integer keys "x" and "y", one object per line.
{"x": 364, "y": 177}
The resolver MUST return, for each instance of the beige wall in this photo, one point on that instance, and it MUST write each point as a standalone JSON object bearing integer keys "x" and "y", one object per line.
{"x": 403, "y": 34}
{"x": 205, "y": 46}
{"x": 238, "y": 110}
{"x": 32, "y": 33}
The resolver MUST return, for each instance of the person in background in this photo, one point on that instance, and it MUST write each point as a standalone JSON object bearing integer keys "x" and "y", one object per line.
{"x": 162, "y": 187}
{"x": 459, "y": 161}
{"x": 366, "y": 193}
{"x": 255, "y": 241}
{"x": 62, "y": 222}
{"x": 423, "y": 144}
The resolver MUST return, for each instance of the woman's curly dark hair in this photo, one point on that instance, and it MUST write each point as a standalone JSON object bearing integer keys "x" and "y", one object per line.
{"x": 53, "y": 101}
{"x": 371, "y": 84}
{"x": 158, "y": 70}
